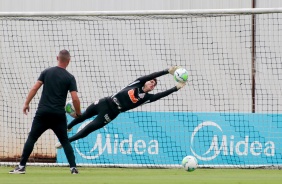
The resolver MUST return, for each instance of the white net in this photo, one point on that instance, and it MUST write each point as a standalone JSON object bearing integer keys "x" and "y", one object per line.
{"x": 211, "y": 118}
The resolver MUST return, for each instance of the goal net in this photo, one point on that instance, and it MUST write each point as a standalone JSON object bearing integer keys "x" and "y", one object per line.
{"x": 228, "y": 114}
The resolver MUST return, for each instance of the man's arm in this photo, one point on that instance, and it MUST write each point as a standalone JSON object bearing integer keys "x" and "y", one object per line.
{"x": 151, "y": 76}
{"x": 154, "y": 75}
{"x": 76, "y": 102}
{"x": 30, "y": 96}
{"x": 160, "y": 95}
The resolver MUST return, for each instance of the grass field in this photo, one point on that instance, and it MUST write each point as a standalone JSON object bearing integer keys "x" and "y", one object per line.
{"x": 61, "y": 175}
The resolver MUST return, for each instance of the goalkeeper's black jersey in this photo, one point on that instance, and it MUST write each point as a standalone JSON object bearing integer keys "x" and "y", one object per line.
{"x": 133, "y": 95}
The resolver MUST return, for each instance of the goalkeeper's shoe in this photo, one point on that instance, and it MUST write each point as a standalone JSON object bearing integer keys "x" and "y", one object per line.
{"x": 58, "y": 145}
{"x": 74, "y": 170}
{"x": 18, "y": 170}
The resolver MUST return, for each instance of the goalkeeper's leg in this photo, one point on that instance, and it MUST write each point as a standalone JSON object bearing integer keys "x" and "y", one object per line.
{"x": 91, "y": 111}
{"x": 96, "y": 124}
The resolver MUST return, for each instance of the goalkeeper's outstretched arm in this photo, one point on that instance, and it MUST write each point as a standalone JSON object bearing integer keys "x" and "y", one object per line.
{"x": 154, "y": 75}
{"x": 157, "y": 96}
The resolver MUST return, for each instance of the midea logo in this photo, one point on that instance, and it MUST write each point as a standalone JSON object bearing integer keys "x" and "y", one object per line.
{"x": 108, "y": 144}
{"x": 230, "y": 147}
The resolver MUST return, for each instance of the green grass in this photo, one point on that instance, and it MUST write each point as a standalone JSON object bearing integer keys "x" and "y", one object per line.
{"x": 61, "y": 175}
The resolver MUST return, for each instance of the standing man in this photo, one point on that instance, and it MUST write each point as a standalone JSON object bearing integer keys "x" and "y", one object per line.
{"x": 50, "y": 114}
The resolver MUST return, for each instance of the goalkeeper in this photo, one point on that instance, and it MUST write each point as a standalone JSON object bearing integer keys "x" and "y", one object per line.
{"x": 132, "y": 96}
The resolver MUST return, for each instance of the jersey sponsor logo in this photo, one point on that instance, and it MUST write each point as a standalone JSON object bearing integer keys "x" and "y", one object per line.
{"x": 131, "y": 96}
{"x": 141, "y": 95}
{"x": 116, "y": 102}
{"x": 107, "y": 119}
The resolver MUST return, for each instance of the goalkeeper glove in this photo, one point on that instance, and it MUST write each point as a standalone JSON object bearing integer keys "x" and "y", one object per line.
{"x": 172, "y": 69}
{"x": 180, "y": 85}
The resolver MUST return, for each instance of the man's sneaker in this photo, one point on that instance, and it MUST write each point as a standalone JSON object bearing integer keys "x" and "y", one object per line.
{"x": 74, "y": 170}
{"x": 58, "y": 145}
{"x": 69, "y": 130}
{"x": 18, "y": 170}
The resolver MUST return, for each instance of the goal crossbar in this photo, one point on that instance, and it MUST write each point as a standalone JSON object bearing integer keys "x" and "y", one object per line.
{"x": 144, "y": 12}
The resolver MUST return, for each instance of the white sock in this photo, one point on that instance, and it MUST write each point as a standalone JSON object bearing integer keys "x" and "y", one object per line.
{"x": 20, "y": 166}
{"x": 71, "y": 168}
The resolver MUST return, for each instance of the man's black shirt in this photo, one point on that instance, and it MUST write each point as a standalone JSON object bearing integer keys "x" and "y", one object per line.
{"x": 56, "y": 84}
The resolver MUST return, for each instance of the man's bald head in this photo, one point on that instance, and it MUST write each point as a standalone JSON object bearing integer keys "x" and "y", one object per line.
{"x": 64, "y": 56}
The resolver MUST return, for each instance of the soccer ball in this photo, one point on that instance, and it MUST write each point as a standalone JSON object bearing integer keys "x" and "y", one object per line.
{"x": 69, "y": 108}
{"x": 181, "y": 75}
{"x": 189, "y": 163}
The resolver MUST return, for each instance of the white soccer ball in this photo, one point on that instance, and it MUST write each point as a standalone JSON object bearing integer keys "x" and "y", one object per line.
{"x": 181, "y": 75}
{"x": 189, "y": 163}
{"x": 69, "y": 108}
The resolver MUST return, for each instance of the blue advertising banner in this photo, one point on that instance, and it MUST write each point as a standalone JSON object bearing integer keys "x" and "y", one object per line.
{"x": 164, "y": 138}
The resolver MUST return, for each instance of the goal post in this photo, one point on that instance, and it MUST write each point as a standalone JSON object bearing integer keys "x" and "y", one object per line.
{"x": 228, "y": 114}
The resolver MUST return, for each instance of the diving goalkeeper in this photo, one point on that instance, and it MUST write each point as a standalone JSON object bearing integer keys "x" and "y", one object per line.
{"x": 132, "y": 96}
